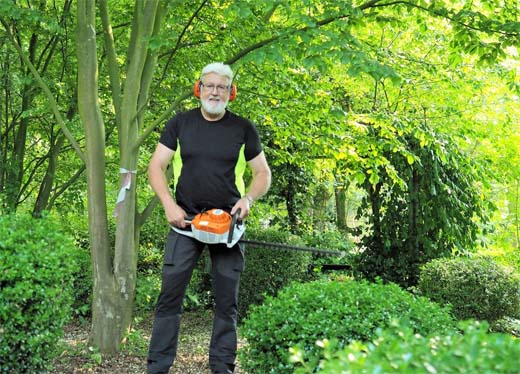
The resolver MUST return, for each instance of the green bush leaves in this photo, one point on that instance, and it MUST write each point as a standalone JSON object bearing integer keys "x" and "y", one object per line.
{"x": 476, "y": 288}
{"x": 346, "y": 311}
{"x": 36, "y": 267}
{"x": 399, "y": 350}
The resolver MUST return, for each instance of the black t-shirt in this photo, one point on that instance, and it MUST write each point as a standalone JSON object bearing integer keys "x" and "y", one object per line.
{"x": 210, "y": 158}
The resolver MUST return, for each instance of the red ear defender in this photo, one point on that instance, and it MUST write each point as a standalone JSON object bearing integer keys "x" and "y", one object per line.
{"x": 233, "y": 93}
{"x": 198, "y": 84}
{"x": 196, "y": 88}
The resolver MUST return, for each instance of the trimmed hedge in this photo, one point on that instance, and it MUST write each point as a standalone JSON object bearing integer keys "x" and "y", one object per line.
{"x": 399, "y": 350}
{"x": 36, "y": 267}
{"x": 304, "y": 313}
{"x": 476, "y": 288}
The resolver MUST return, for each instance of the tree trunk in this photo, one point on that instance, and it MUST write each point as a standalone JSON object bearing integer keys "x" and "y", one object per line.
{"x": 106, "y": 310}
{"x": 375, "y": 204}
{"x": 15, "y": 165}
{"x": 147, "y": 21}
{"x": 42, "y": 201}
{"x": 319, "y": 207}
{"x": 5, "y": 67}
{"x": 290, "y": 201}
{"x": 340, "y": 195}
{"x": 114, "y": 278}
{"x": 413, "y": 213}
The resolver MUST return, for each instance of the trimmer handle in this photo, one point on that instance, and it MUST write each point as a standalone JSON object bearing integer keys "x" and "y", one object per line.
{"x": 234, "y": 220}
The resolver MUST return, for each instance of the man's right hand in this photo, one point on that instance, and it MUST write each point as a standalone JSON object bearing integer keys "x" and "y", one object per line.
{"x": 176, "y": 216}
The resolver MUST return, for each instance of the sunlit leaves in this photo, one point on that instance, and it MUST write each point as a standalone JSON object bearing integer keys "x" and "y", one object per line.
{"x": 40, "y": 17}
{"x": 318, "y": 76}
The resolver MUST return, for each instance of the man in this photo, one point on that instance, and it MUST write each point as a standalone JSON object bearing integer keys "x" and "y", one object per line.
{"x": 210, "y": 147}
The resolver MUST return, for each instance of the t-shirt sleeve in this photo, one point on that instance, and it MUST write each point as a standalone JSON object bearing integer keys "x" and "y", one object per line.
{"x": 169, "y": 134}
{"x": 253, "y": 143}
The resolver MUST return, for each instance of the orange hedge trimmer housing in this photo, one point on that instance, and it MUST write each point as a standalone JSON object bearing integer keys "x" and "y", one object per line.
{"x": 215, "y": 226}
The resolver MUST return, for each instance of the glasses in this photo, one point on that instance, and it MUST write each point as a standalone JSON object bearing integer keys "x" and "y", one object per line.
{"x": 210, "y": 87}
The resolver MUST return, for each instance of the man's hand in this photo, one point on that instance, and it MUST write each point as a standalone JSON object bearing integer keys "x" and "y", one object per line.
{"x": 176, "y": 216}
{"x": 244, "y": 205}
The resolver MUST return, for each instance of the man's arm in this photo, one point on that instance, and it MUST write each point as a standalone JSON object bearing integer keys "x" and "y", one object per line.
{"x": 259, "y": 184}
{"x": 157, "y": 179}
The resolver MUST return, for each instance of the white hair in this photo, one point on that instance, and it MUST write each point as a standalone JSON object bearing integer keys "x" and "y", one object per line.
{"x": 218, "y": 68}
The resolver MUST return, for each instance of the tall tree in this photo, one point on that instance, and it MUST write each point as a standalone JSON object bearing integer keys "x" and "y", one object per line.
{"x": 114, "y": 278}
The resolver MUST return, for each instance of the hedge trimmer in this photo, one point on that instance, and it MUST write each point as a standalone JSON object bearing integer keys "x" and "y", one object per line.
{"x": 218, "y": 226}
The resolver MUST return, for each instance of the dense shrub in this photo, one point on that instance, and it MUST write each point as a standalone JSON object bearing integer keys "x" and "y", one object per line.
{"x": 268, "y": 270}
{"x": 147, "y": 290}
{"x": 81, "y": 307}
{"x": 477, "y": 288}
{"x": 198, "y": 293}
{"x": 333, "y": 239}
{"x": 399, "y": 350}
{"x": 152, "y": 238}
{"x": 421, "y": 218}
{"x": 36, "y": 267}
{"x": 509, "y": 325}
{"x": 304, "y": 313}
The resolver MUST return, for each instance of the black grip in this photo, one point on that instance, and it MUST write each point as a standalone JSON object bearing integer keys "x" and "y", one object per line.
{"x": 234, "y": 219}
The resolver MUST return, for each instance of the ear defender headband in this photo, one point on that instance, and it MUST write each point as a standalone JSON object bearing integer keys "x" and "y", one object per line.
{"x": 198, "y": 85}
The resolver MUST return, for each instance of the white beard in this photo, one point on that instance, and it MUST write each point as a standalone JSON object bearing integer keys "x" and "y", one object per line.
{"x": 213, "y": 107}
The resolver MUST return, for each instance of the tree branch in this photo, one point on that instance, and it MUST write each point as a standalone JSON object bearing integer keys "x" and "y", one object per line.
{"x": 113, "y": 66}
{"x": 140, "y": 140}
{"x": 446, "y": 16}
{"x": 61, "y": 189}
{"x": 179, "y": 39}
{"x": 149, "y": 65}
{"x": 46, "y": 91}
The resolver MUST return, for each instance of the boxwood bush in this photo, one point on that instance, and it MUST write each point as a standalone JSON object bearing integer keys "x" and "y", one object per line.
{"x": 348, "y": 310}
{"x": 269, "y": 270}
{"x": 477, "y": 288}
{"x": 198, "y": 294}
{"x": 36, "y": 267}
{"x": 400, "y": 350}
{"x": 81, "y": 307}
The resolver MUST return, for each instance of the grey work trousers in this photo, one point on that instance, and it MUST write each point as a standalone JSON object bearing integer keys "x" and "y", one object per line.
{"x": 180, "y": 258}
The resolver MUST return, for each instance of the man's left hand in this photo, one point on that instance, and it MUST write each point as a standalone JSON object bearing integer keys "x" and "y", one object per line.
{"x": 244, "y": 205}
